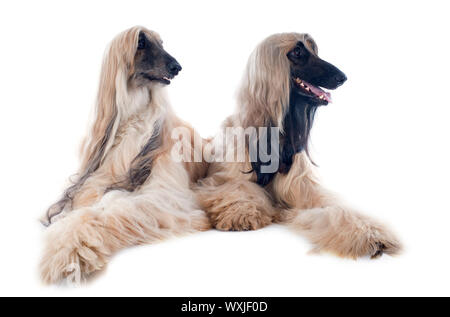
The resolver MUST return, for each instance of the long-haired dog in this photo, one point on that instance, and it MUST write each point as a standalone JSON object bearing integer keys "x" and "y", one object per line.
{"x": 128, "y": 190}
{"x": 281, "y": 88}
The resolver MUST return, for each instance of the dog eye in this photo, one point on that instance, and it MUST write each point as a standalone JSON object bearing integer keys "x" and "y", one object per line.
{"x": 298, "y": 52}
{"x": 141, "y": 44}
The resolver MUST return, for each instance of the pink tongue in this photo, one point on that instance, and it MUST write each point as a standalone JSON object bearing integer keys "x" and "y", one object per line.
{"x": 318, "y": 92}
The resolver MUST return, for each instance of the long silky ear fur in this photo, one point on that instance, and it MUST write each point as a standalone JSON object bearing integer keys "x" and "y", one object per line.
{"x": 116, "y": 67}
{"x": 265, "y": 100}
{"x": 297, "y": 128}
{"x": 264, "y": 93}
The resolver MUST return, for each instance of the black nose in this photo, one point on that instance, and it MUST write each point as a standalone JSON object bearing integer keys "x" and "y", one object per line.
{"x": 174, "y": 67}
{"x": 340, "y": 78}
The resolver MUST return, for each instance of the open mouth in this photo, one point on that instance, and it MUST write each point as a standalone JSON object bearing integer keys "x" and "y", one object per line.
{"x": 165, "y": 80}
{"x": 313, "y": 91}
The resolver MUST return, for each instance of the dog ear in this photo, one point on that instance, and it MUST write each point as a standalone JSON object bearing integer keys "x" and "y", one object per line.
{"x": 297, "y": 128}
{"x": 111, "y": 98}
{"x": 265, "y": 89}
{"x": 297, "y": 125}
{"x": 113, "y": 83}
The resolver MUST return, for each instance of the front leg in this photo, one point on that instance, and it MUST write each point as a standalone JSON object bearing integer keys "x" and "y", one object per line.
{"x": 75, "y": 245}
{"x": 344, "y": 232}
{"x": 328, "y": 223}
{"x": 238, "y": 205}
{"x": 86, "y": 238}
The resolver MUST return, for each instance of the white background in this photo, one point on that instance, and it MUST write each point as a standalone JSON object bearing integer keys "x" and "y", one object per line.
{"x": 383, "y": 143}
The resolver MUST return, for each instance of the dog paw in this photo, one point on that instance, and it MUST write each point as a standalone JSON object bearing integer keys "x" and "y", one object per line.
{"x": 383, "y": 244}
{"x": 348, "y": 235}
{"x": 74, "y": 250}
{"x": 241, "y": 219}
{"x": 373, "y": 241}
{"x": 74, "y": 265}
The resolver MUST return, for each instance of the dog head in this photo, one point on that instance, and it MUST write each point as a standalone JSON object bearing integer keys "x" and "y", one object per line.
{"x": 281, "y": 64}
{"x": 309, "y": 73}
{"x": 152, "y": 64}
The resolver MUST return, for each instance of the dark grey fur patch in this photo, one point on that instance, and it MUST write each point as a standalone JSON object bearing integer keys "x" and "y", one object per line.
{"x": 297, "y": 125}
{"x": 93, "y": 165}
{"x": 141, "y": 166}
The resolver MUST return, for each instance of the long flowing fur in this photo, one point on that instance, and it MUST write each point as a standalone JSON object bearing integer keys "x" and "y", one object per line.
{"x": 129, "y": 190}
{"x": 263, "y": 97}
{"x": 235, "y": 200}
{"x": 110, "y": 110}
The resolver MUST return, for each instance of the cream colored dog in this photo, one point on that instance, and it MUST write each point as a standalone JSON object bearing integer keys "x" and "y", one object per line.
{"x": 128, "y": 190}
{"x": 281, "y": 88}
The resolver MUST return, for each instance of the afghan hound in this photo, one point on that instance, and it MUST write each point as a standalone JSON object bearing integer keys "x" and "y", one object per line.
{"x": 281, "y": 88}
{"x": 128, "y": 190}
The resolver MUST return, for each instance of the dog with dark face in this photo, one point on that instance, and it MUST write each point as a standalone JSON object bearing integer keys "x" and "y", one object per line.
{"x": 283, "y": 86}
{"x": 153, "y": 63}
{"x": 128, "y": 190}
